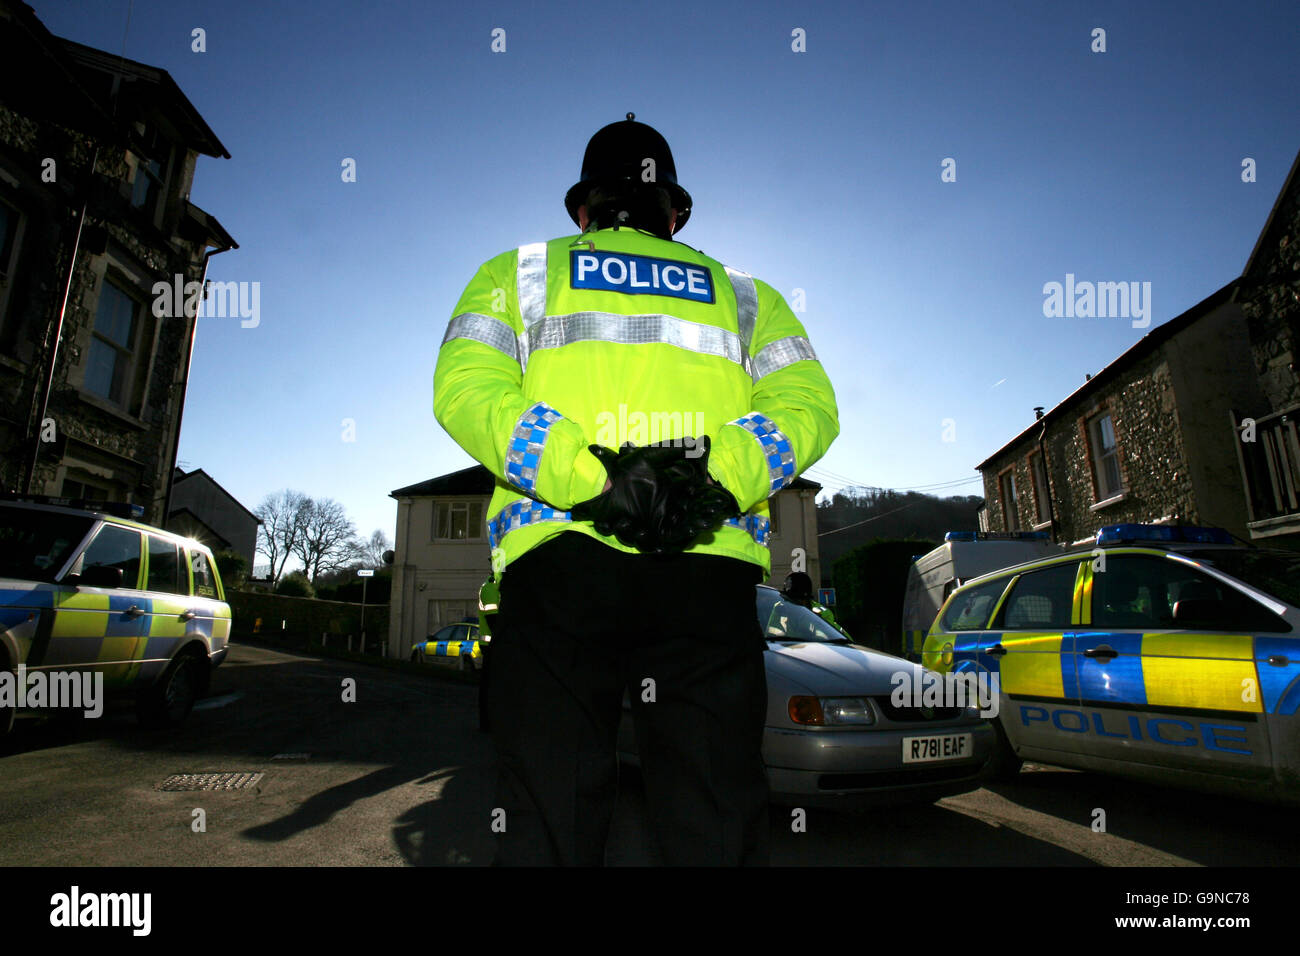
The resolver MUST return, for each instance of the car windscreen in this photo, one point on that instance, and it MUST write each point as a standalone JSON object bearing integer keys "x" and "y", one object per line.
{"x": 782, "y": 620}
{"x": 1276, "y": 573}
{"x": 34, "y": 545}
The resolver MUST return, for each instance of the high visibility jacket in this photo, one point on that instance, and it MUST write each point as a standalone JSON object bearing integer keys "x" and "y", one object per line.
{"x": 615, "y": 336}
{"x": 489, "y": 594}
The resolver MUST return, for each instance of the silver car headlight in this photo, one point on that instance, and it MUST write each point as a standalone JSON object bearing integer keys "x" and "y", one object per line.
{"x": 831, "y": 711}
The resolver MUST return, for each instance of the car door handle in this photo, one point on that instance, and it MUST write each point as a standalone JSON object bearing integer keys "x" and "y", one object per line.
{"x": 133, "y": 611}
{"x": 996, "y": 650}
{"x": 1101, "y": 650}
{"x": 1279, "y": 660}
{"x": 188, "y": 616}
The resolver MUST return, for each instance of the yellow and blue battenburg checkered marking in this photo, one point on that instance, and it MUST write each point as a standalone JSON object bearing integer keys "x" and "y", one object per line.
{"x": 780, "y": 456}
{"x": 470, "y": 648}
{"x": 524, "y": 454}
{"x": 520, "y": 513}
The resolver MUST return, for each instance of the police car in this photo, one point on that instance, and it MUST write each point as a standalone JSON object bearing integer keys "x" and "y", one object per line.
{"x": 836, "y": 733}
{"x": 459, "y": 641}
{"x": 89, "y": 596}
{"x": 1159, "y": 652}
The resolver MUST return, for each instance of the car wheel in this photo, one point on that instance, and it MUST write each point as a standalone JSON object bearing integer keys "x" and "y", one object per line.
{"x": 1004, "y": 765}
{"x": 169, "y": 702}
{"x": 417, "y": 657}
{"x": 466, "y": 664}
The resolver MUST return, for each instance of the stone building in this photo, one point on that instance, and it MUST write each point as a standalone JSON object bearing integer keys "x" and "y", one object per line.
{"x": 1195, "y": 423}
{"x": 442, "y": 553}
{"x": 97, "y": 157}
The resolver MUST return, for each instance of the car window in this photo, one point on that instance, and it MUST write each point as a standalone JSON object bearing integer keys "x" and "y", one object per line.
{"x": 1040, "y": 600}
{"x": 793, "y": 622}
{"x": 204, "y": 585}
{"x": 164, "y": 567}
{"x": 34, "y": 545}
{"x": 969, "y": 610}
{"x": 447, "y": 633}
{"x": 1276, "y": 573}
{"x": 115, "y": 547}
{"x": 1149, "y": 593}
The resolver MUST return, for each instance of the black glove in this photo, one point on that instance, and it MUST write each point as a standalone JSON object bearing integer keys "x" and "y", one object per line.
{"x": 660, "y": 499}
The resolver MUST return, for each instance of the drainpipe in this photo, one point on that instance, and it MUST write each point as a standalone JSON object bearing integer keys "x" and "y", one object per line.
{"x": 1047, "y": 478}
{"x": 30, "y": 476}
{"x": 185, "y": 382}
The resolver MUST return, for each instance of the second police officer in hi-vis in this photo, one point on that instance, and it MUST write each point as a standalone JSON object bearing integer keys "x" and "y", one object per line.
{"x": 639, "y": 403}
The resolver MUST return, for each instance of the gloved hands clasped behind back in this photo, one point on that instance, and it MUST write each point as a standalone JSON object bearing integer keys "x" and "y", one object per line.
{"x": 660, "y": 497}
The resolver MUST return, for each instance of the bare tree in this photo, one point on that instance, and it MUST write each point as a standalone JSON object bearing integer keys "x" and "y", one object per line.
{"x": 283, "y": 516}
{"x": 329, "y": 538}
{"x": 371, "y": 551}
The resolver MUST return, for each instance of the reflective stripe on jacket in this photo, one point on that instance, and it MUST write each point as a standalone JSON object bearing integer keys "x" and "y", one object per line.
{"x": 619, "y": 336}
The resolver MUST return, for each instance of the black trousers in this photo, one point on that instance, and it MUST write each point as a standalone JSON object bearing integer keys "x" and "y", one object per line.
{"x": 578, "y": 623}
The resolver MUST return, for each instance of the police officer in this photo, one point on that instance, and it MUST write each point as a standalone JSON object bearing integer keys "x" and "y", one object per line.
{"x": 798, "y": 590}
{"x": 638, "y": 403}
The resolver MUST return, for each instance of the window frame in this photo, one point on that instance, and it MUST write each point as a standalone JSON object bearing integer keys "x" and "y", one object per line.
{"x": 962, "y": 590}
{"x": 474, "y": 530}
{"x": 131, "y": 352}
{"x": 1010, "y": 519}
{"x": 176, "y": 551}
{"x": 1098, "y": 456}
{"x": 79, "y": 563}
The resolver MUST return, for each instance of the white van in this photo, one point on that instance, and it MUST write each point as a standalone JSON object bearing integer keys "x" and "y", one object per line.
{"x": 963, "y": 555}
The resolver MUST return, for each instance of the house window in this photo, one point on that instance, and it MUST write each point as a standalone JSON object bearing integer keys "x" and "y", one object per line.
{"x": 458, "y": 521}
{"x": 10, "y": 220}
{"x": 90, "y": 491}
{"x": 1010, "y": 512}
{"x": 1105, "y": 456}
{"x": 1042, "y": 506}
{"x": 112, "y": 346}
{"x": 150, "y": 174}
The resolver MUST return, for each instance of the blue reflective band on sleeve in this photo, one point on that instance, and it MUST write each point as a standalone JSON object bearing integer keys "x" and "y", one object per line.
{"x": 524, "y": 454}
{"x": 640, "y": 275}
{"x": 519, "y": 513}
{"x": 780, "y": 456}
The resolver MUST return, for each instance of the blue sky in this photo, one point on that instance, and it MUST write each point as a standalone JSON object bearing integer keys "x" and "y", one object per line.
{"x": 816, "y": 170}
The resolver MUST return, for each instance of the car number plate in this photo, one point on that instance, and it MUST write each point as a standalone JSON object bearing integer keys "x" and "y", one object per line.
{"x": 937, "y": 747}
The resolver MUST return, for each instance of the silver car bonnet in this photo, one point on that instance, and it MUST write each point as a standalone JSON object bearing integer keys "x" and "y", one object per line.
{"x": 839, "y": 670}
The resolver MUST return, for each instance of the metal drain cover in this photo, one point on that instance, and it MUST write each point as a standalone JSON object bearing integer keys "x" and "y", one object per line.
{"x": 232, "y": 780}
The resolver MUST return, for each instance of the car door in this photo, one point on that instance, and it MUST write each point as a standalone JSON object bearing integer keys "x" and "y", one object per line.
{"x": 212, "y": 614}
{"x": 1167, "y": 674}
{"x": 168, "y": 582}
{"x": 97, "y": 628}
{"x": 1030, "y": 646}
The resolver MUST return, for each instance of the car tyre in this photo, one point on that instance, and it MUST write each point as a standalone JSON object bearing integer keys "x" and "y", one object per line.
{"x": 417, "y": 657}
{"x": 168, "y": 702}
{"x": 1004, "y": 765}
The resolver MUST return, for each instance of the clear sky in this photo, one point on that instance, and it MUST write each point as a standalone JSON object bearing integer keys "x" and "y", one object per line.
{"x": 817, "y": 170}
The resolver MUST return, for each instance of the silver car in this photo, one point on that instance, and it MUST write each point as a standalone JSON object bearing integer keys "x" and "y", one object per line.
{"x": 834, "y": 737}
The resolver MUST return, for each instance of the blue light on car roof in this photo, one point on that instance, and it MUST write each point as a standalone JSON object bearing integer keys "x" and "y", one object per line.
{"x": 1187, "y": 534}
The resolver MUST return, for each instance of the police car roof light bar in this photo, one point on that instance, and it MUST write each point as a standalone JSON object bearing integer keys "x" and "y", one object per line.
{"x": 1184, "y": 534}
{"x": 995, "y": 536}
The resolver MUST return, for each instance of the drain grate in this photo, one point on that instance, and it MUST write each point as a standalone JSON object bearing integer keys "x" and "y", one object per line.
{"x": 232, "y": 780}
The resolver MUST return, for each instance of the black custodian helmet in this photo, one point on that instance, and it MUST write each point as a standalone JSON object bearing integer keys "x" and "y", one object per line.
{"x": 616, "y": 154}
